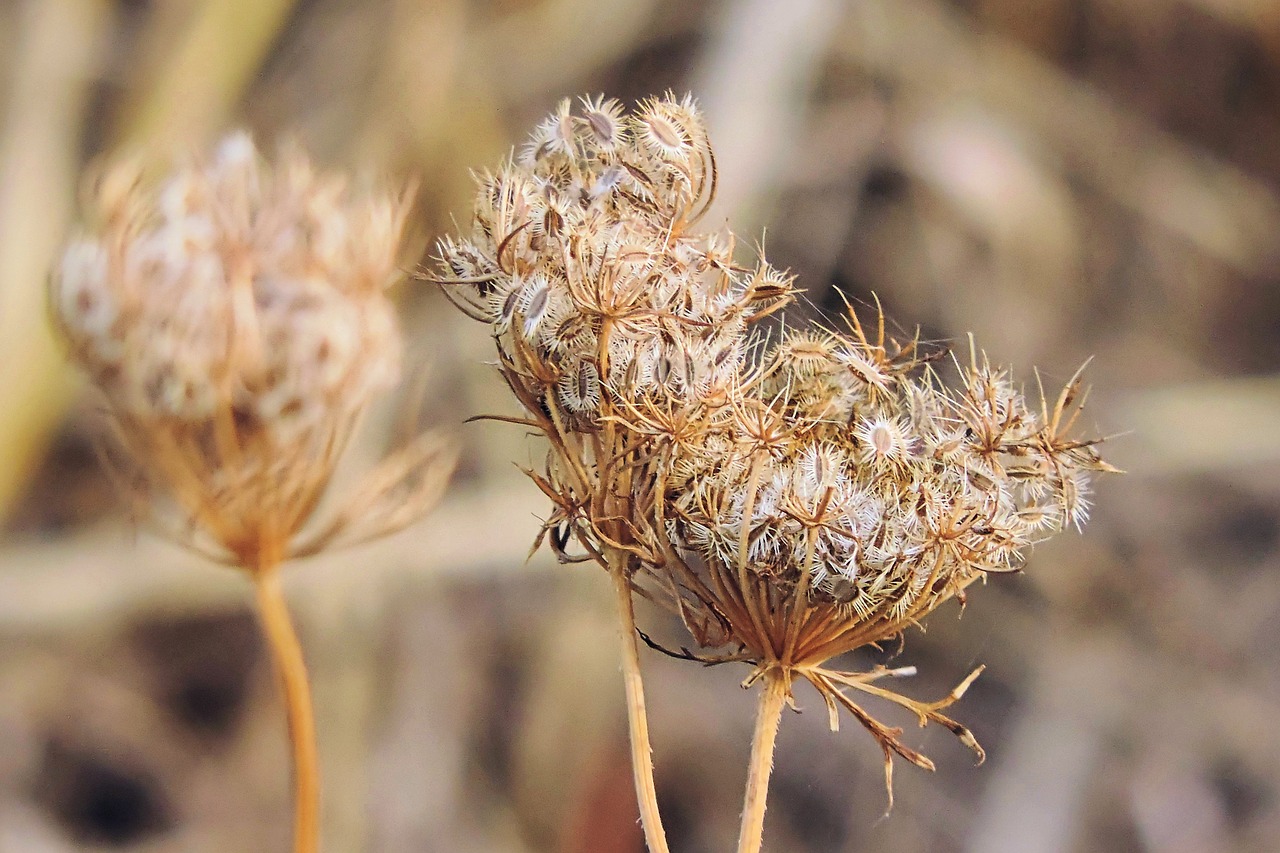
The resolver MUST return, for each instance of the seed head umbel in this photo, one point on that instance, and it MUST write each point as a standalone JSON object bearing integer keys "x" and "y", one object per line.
{"x": 790, "y": 499}
{"x": 234, "y": 315}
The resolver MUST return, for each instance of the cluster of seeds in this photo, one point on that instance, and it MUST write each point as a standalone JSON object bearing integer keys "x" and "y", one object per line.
{"x": 883, "y": 492}
{"x": 831, "y": 472}
{"x": 236, "y": 319}
{"x": 231, "y": 281}
{"x": 789, "y": 501}
{"x": 579, "y": 258}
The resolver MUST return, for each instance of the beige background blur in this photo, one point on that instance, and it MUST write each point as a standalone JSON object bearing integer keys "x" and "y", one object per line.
{"x": 1064, "y": 178}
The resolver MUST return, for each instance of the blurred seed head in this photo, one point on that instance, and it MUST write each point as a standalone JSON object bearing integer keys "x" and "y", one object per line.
{"x": 234, "y": 314}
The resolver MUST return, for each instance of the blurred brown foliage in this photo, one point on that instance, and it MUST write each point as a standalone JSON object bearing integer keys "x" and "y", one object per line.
{"x": 1064, "y": 178}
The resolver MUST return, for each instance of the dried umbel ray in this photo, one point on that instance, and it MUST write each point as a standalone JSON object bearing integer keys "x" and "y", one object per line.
{"x": 234, "y": 316}
{"x": 790, "y": 501}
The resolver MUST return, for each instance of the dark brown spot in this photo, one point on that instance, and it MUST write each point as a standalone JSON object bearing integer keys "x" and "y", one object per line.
{"x": 552, "y": 223}
{"x": 638, "y": 174}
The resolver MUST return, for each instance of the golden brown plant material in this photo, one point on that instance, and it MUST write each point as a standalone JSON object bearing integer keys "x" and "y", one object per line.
{"x": 234, "y": 316}
{"x": 790, "y": 500}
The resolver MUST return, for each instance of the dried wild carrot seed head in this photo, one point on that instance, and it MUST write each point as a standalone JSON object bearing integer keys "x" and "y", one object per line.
{"x": 789, "y": 502}
{"x": 231, "y": 280}
{"x": 832, "y": 468}
{"x": 234, "y": 315}
{"x": 887, "y": 498}
{"x": 580, "y": 258}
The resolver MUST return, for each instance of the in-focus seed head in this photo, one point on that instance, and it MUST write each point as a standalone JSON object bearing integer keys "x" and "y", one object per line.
{"x": 791, "y": 498}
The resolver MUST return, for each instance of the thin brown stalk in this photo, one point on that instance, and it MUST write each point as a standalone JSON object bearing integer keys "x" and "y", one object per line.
{"x": 637, "y": 719}
{"x": 768, "y": 715}
{"x": 286, "y": 652}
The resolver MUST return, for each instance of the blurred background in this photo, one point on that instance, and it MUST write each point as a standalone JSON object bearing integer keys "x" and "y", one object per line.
{"x": 1063, "y": 178}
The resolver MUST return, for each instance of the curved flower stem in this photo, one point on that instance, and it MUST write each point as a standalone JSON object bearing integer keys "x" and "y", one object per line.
{"x": 768, "y": 715}
{"x": 637, "y": 719}
{"x": 287, "y": 655}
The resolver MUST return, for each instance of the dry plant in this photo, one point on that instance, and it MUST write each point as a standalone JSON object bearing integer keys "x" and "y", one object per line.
{"x": 234, "y": 316}
{"x": 790, "y": 500}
